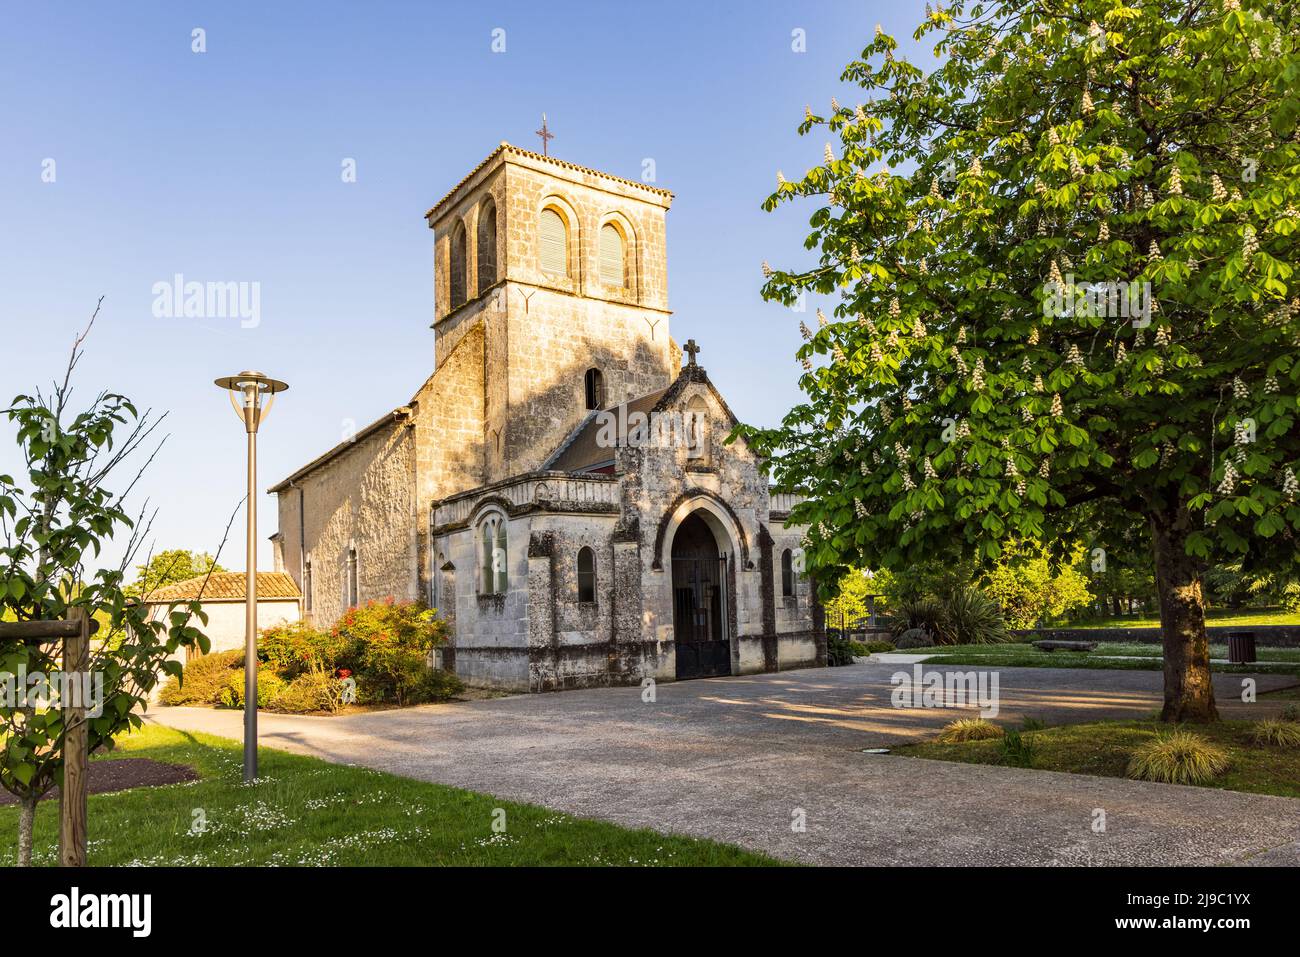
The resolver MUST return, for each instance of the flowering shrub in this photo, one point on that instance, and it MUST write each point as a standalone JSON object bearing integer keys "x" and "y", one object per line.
{"x": 293, "y": 649}
{"x": 383, "y": 646}
{"x": 393, "y": 642}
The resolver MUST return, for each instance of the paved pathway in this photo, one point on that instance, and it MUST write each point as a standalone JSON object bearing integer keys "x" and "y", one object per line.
{"x": 733, "y": 758}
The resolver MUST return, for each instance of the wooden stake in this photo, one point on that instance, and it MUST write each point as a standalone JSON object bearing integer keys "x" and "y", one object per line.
{"x": 72, "y": 796}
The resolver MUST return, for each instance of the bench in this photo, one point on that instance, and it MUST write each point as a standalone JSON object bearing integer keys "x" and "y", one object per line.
{"x": 1050, "y": 645}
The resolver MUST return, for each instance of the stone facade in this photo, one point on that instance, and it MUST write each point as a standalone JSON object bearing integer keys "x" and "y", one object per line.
{"x": 510, "y": 439}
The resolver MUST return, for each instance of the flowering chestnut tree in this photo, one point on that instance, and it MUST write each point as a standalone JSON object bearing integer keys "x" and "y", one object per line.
{"x": 1068, "y": 308}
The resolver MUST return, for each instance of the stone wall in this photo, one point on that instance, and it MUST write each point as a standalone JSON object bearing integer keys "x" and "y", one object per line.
{"x": 363, "y": 496}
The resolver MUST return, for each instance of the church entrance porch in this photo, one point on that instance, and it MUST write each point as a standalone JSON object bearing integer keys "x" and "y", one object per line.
{"x": 699, "y": 602}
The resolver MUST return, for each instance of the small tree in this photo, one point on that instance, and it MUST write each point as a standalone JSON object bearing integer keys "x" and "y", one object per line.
{"x": 989, "y": 376}
{"x": 169, "y": 567}
{"x": 49, "y": 529}
{"x": 1029, "y": 589}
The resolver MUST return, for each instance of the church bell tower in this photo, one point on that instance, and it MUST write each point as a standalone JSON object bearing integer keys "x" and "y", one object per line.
{"x": 564, "y": 270}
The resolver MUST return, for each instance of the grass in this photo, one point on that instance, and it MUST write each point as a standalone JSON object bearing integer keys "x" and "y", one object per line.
{"x": 969, "y": 729}
{"x": 1106, "y": 748}
{"x": 1217, "y": 617}
{"x": 1180, "y": 757}
{"x": 1126, "y": 655}
{"x": 307, "y": 812}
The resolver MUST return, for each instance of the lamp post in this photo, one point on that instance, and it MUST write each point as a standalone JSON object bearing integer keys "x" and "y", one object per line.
{"x": 251, "y": 388}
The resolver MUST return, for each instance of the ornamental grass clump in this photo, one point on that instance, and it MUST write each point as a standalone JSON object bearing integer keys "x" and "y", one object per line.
{"x": 1179, "y": 757}
{"x": 1284, "y": 734}
{"x": 969, "y": 729}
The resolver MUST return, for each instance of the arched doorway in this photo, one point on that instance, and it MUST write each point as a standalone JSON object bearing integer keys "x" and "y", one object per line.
{"x": 699, "y": 601}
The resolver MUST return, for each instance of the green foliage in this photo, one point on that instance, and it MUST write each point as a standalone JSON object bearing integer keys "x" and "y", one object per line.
{"x": 202, "y": 680}
{"x": 839, "y": 650}
{"x": 395, "y": 640}
{"x": 1017, "y": 749}
{"x": 1179, "y": 757}
{"x": 311, "y": 691}
{"x": 965, "y": 616}
{"x": 1291, "y": 713}
{"x": 878, "y": 646}
{"x": 169, "y": 567}
{"x": 969, "y": 729}
{"x": 973, "y": 618}
{"x": 1280, "y": 732}
{"x": 1028, "y": 589}
{"x": 384, "y": 646}
{"x": 50, "y": 525}
{"x": 293, "y": 649}
{"x": 850, "y": 602}
{"x": 948, "y": 403}
{"x": 231, "y": 694}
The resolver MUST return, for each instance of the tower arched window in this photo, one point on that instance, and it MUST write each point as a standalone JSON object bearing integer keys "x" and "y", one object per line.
{"x": 487, "y": 245}
{"x": 458, "y": 265}
{"x": 586, "y": 575}
{"x": 594, "y": 384}
{"x": 493, "y": 556}
{"x": 787, "y": 574}
{"x": 612, "y": 255}
{"x": 553, "y": 243}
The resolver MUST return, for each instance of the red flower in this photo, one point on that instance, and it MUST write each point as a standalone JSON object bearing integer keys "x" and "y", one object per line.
{"x": 344, "y": 673}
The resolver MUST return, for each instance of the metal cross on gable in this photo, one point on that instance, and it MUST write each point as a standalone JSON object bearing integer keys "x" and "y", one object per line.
{"x": 545, "y": 134}
{"x": 691, "y": 349}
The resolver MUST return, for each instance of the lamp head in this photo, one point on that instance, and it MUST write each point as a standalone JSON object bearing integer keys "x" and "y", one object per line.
{"x": 251, "y": 387}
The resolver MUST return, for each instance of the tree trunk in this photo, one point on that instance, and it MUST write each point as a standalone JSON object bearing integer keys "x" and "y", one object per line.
{"x": 26, "y": 818}
{"x": 1189, "y": 693}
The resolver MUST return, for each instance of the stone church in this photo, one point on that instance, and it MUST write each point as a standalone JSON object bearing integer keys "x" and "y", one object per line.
{"x": 559, "y": 488}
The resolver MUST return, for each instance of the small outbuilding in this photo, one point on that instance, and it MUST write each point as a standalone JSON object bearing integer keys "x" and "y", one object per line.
{"x": 222, "y": 596}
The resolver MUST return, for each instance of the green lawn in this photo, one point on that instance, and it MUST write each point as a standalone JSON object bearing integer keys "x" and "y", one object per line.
{"x": 1103, "y": 748}
{"x": 308, "y": 812}
{"x": 1142, "y": 657}
{"x": 1217, "y": 617}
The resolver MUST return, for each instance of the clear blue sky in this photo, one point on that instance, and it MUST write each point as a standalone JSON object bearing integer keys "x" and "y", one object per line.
{"x": 225, "y": 166}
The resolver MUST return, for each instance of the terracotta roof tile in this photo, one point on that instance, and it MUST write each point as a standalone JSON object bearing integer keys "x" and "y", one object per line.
{"x": 227, "y": 586}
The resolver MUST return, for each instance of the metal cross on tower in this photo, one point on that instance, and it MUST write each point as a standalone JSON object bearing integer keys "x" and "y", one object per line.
{"x": 545, "y": 134}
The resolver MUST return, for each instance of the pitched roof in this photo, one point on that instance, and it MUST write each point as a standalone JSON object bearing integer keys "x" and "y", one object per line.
{"x": 227, "y": 586}
{"x": 518, "y": 151}
{"x": 581, "y": 451}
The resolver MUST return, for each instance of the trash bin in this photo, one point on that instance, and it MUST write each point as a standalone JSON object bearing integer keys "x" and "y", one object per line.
{"x": 1241, "y": 647}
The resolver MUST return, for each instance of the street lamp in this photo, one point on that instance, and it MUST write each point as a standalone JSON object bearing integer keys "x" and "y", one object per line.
{"x": 251, "y": 388}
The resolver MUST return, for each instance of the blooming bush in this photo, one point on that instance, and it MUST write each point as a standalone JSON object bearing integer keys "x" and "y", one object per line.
{"x": 393, "y": 642}
{"x": 383, "y": 646}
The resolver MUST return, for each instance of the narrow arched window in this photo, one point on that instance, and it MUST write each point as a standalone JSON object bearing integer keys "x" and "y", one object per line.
{"x": 494, "y": 555}
{"x": 787, "y": 574}
{"x": 353, "y": 583}
{"x": 553, "y": 243}
{"x": 458, "y": 279}
{"x": 487, "y": 245}
{"x": 306, "y": 584}
{"x": 612, "y": 272}
{"x": 586, "y": 575}
{"x": 595, "y": 389}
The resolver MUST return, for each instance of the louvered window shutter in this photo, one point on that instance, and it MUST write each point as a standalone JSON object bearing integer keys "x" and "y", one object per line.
{"x": 553, "y": 244}
{"x": 611, "y": 256}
